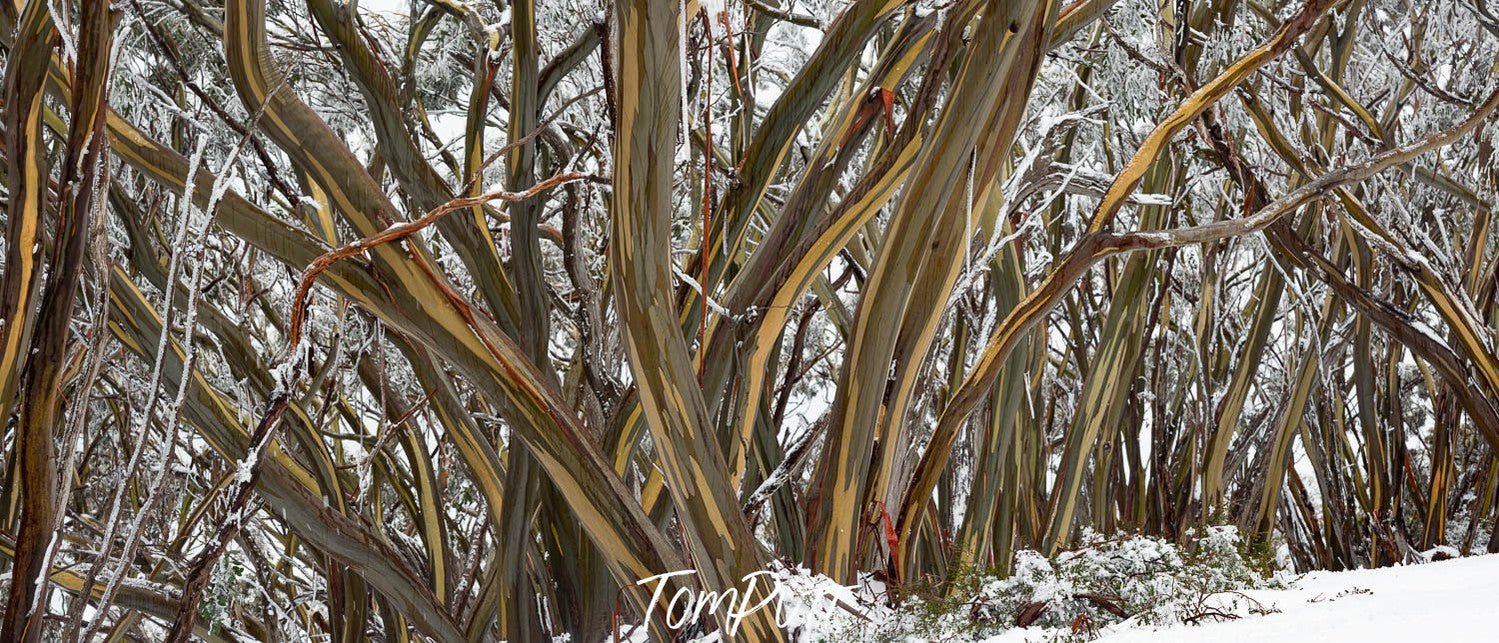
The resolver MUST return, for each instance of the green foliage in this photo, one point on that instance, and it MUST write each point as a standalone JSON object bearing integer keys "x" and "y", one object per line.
{"x": 1144, "y": 579}
{"x": 223, "y": 593}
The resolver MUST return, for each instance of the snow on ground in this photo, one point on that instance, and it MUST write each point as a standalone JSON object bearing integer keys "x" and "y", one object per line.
{"x": 1454, "y": 599}
{"x": 1450, "y": 600}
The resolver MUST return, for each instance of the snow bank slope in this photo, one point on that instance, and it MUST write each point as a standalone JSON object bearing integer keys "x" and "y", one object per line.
{"x": 1448, "y": 600}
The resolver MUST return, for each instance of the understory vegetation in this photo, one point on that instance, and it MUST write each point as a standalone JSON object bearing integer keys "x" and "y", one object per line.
{"x": 1135, "y": 579}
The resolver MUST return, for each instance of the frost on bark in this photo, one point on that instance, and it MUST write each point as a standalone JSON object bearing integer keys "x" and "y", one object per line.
{"x": 458, "y": 320}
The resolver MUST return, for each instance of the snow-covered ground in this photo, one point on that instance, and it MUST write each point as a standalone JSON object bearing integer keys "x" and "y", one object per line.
{"x": 1161, "y": 593}
{"x": 1451, "y": 600}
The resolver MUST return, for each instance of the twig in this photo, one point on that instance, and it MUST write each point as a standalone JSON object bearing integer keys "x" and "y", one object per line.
{"x": 401, "y": 231}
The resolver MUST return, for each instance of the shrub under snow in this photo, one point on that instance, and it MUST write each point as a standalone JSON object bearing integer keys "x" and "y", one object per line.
{"x": 1141, "y": 579}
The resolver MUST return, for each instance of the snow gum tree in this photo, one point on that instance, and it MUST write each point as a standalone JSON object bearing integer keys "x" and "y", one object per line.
{"x": 456, "y": 320}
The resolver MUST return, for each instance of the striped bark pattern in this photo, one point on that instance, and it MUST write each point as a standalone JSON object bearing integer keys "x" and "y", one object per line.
{"x": 467, "y": 321}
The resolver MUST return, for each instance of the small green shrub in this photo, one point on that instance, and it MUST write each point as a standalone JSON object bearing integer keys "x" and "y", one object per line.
{"x": 1146, "y": 580}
